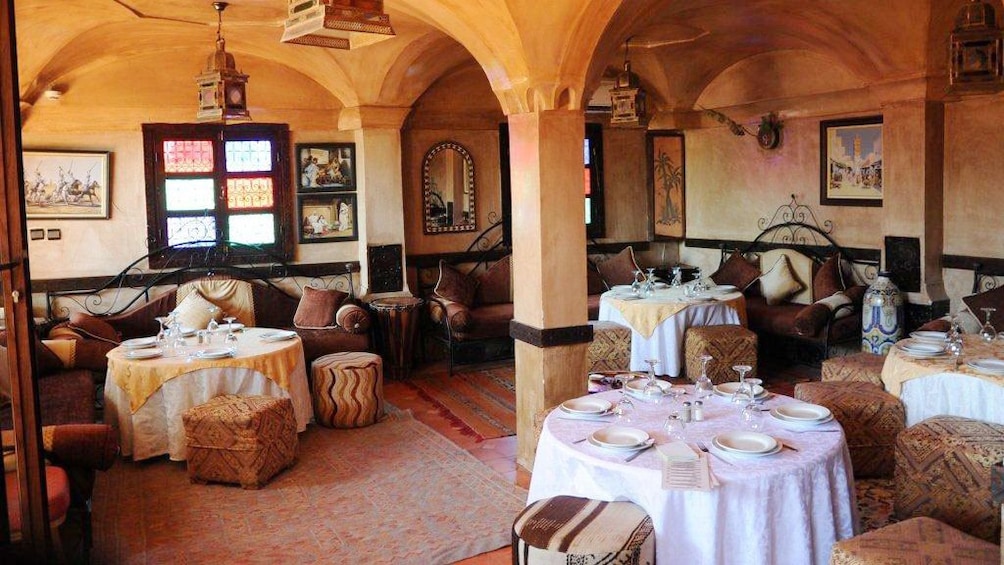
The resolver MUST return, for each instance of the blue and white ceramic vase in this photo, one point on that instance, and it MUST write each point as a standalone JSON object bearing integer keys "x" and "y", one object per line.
{"x": 881, "y": 315}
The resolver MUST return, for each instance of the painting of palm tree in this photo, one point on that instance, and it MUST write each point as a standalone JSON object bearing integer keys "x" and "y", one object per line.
{"x": 667, "y": 183}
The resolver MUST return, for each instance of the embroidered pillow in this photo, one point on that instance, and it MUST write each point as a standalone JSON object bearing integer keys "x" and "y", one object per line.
{"x": 317, "y": 307}
{"x": 828, "y": 280}
{"x": 736, "y": 271}
{"x": 195, "y": 311}
{"x": 454, "y": 285}
{"x": 779, "y": 282}
{"x": 620, "y": 268}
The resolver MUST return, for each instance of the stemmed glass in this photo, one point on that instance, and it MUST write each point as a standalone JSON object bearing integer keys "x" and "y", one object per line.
{"x": 677, "y": 276}
{"x": 954, "y": 345}
{"x": 751, "y": 416}
{"x": 231, "y": 339}
{"x": 162, "y": 334}
{"x": 988, "y": 333}
{"x": 622, "y": 410}
{"x": 635, "y": 282}
{"x": 703, "y": 386}
{"x": 650, "y": 282}
{"x": 652, "y": 391}
{"x": 742, "y": 394}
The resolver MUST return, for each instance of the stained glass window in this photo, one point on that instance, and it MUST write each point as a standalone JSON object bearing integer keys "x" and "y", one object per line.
{"x": 188, "y": 156}
{"x": 190, "y": 194}
{"x": 249, "y": 156}
{"x": 250, "y": 193}
{"x": 254, "y": 229}
{"x": 182, "y": 230}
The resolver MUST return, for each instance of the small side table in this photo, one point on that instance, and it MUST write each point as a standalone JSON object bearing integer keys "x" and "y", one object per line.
{"x": 397, "y": 319}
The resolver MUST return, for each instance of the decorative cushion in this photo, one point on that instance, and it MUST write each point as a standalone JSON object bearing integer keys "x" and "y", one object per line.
{"x": 568, "y": 529}
{"x": 454, "y": 285}
{"x": 494, "y": 286}
{"x": 459, "y": 316}
{"x": 828, "y": 280}
{"x": 57, "y": 488}
{"x": 865, "y": 367}
{"x": 610, "y": 349}
{"x": 736, "y": 271}
{"x": 195, "y": 311}
{"x": 779, "y": 282}
{"x": 620, "y": 268}
{"x": 989, "y": 299}
{"x": 917, "y": 540}
{"x": 728, "y": 345}
{"x": 943, "y": 471}
{"x": 594, "y": 281}
{"x": 93, "y": 327}
{"x": 811, "y": 320}
{"x": 353, "y": 318}
{"x": 317, "y": 307}
{"x": 347, "y": 389}
{"x": 870, "y": 416}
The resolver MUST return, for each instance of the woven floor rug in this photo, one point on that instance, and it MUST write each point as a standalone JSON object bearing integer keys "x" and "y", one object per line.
{"x": 481, "y": 401}
{"x": 395, "y": 492}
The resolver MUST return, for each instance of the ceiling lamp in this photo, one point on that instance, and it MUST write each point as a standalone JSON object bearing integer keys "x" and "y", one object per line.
{"x": 976, "y": 49}
{"x": 627, "y": 98}
{"x": 338, "y": 24}
{"x": 222, "y": 88}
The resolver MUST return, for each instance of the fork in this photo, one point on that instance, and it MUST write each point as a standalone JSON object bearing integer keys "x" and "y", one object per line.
{"x": 704, "y": 448}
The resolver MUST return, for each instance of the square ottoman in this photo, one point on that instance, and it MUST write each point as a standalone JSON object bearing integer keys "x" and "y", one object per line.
{"x": 917, "y": 540}
{"x": 866, "y": 367}
{"x": 728, "y": 345}
{"x": 240, "y": 439}
{"x": 610, "y": 349}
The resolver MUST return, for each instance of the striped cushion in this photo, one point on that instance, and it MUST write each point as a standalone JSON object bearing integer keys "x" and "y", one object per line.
{"x": 567, "y": 529}
{"x": 610, "y": 349}
{"x": 943, "y": 471}
{"x": 865, "y": 367}
{"x": 728, "y": 345}
{"x": 347, "y": 389}
{"x": 917, "y": 540}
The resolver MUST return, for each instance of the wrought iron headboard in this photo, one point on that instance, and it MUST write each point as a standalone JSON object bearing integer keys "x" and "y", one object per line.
{"x": 211, "y": 259}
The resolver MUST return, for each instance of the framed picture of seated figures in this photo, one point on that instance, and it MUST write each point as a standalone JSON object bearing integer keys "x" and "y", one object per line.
{"x": 66, "y": 184}
{"x": 666, "y": 182}
{"x": 325, "y": 167}
{"x": 850, "y": 162}
{"x": 327, "y": 217}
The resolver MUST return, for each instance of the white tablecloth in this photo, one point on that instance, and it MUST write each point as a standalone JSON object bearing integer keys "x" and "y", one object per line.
{"x": 666, "y": 342}
{"x": 156, "y": 427}
{"x": 952, "y": 394}
{"x": 784, "y": 509}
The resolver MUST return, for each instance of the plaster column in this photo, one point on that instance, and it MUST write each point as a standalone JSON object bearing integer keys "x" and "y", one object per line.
{"x": 913, "y": 204}
{"x": 380, "y": 212}
{"x": 549, "y": 265}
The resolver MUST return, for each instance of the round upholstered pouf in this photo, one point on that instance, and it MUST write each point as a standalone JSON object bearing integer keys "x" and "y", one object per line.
{"x": 870, "y": 416}
{"x": 567, "y": 529}
{"x": 728, "y": 345}
{"x": 347, "y": 389}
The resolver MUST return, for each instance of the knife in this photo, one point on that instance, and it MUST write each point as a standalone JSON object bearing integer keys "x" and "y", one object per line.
{"x": 637, "y": 453}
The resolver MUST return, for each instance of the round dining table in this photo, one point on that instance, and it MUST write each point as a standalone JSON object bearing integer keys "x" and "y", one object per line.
{"x": 658, "y": 322}
{"x": 145, "y": 398}
{"x": 789, "y": 507}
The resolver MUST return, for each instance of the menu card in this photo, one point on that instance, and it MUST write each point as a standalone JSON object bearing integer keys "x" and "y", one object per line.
{"x": 685, "y": 469}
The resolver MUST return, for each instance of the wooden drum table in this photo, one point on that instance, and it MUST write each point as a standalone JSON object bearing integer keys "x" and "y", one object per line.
{"x": 397, "y": 318}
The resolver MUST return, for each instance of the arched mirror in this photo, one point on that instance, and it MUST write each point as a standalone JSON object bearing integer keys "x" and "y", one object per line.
{"x": 448, "y": 181}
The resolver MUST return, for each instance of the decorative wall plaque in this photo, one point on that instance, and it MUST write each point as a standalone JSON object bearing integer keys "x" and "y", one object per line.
{"x": 386, "y": 273}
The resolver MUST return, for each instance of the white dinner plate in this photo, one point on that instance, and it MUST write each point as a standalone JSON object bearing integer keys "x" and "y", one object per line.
{"x": 139, "y": 342}
{"x": 802, "y": 412}
{"x": 640, "y": 446}
{"x": 586, "y": 405}
{"x": 224, "y": 327}
{"x": 745, "y": 442}
{"x": 929, "y": 336}
{"x": 187, "y": 332}
{"x": 729, "y": 388}
{"x": 916, "y": 347}
{"x": 725, "y": 288}
{"x": 619, "y": 437}
{"x": 637, "y": 386}
{"x": 145, "y": 353}
{"x": 215, "y": 353}
{"x": 987, "y": 365}
{"x": 621, "y": 287}
{"x": 660, "y": 285}
{"x": 797, "y": 425}
{"x": 279, "y": 335}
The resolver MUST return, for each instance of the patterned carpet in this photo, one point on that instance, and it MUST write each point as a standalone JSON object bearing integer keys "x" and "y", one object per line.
{"x": 396, "y": 492}
{"x": 480, "y": 401}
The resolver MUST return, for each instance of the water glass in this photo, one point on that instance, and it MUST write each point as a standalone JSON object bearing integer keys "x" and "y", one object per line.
{"x": 703, "y": 387}
{"x": 751, "y": 417}
{"x": 675, "y": 427}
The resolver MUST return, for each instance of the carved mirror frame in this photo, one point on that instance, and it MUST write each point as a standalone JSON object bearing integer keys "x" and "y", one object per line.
{"x": 468, "y": 162}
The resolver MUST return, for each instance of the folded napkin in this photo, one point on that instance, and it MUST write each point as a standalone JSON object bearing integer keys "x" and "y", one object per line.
{"x": 685, "y": 469}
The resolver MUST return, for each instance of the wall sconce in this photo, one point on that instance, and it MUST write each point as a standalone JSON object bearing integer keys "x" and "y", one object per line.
{"x": 975, "y": 50}
{"x": 768, "y": 133}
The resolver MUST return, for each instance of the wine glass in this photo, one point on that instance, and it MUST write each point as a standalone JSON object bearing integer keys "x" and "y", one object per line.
{"x": 635, "y": 283}
{"x": 652, "y": 391}
{"x": 623, "y": 408}
{"x": 703, "y": 386}
{"x": 162, "y": 334}
{"x": 988, "y": 333}
{"x": 742, "y": 394}
{"x": 650, "y": 282}
{"x": 677, "y": 276}
{"x": 751, "y": 416}
{"x": 231, "y": 339}
{"x": 230, "y": 322}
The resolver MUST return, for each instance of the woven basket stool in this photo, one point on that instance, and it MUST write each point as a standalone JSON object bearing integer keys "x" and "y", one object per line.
{"x": 917, "y": 540}
{"x": 728, "y": 344}
{"x": 567, "y": 529}
{"x": 347, "y": 389}
{"x": 865, "y": 367}
{"x": 610, "y": 349}
{"x": 245, "y": 440}
{"x": 943, "y": 471}
{"x": 871, "y": 418}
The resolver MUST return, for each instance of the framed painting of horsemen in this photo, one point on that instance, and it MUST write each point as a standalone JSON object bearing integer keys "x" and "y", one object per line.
{"x": 66, "y": 184}
{"x": 326, "y": 167}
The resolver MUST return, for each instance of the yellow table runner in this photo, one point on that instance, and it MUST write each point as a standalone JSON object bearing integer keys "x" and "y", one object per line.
{"x": 140, "y": 379}
{"x": 900, "y": 367}
{"x": 645, "y": 314}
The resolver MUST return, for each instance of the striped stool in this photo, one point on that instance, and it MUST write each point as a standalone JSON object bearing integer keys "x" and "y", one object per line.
{"x": 870, "y": 416}
{"x": 865, "y": 367}
{"x": 917, "y": 540}
{"x": 347, "y": 389}
{"x": 567, "y": 529}
{"x": 943, "y": 471}
{"x": 610, "y": 349}
{"x": 728, "y": 345}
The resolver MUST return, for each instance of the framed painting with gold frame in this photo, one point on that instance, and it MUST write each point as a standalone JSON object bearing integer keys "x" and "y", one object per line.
{"x": 66, "y": 184}
{"x": 327, "y": 217}
{"x": 667, "y": 183}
